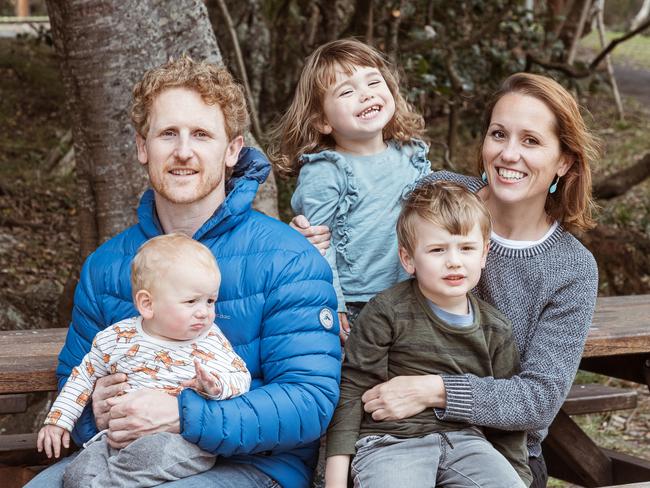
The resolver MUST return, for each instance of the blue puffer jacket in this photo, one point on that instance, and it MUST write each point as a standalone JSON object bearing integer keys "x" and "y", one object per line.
{"x": 276, "y": 305}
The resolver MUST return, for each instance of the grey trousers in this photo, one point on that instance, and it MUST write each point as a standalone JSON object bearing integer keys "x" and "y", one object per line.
{"x": 458, "y": 459}
{"x": 148, "y": 461}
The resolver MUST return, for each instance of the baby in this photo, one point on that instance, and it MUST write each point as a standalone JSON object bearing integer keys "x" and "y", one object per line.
{"x": 173, "y": 344}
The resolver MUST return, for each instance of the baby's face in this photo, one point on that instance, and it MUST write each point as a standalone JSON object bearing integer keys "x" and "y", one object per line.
{"x": 184, "y": 303}
{"x": 447, "y": 266}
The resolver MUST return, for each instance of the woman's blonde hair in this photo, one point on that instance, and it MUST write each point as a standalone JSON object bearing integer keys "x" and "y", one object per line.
{"x": 572, "y": 204}
{"x": 297, "y": 131}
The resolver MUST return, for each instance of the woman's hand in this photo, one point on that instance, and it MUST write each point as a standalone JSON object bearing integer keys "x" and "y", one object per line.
{"x": 106, "y": 387}
{"x": 318, "y": 235}
{"x": 404, "y": 396}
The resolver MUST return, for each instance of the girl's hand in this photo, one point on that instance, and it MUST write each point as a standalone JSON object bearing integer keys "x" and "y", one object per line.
{"x": 318, "y": 235}
{"x": 50, "y": 438}
{"x": 404, "y": 396}
{"x": 204, "y": 381}
{"x": 344, "y": 330}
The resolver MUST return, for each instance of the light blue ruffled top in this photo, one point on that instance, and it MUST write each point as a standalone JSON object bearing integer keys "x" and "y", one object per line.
{"x": 359, "y": 199}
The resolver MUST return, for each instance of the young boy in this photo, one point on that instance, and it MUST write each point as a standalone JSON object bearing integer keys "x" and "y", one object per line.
{"x": 173, "y": 344}
{"x": 431, "y": 324}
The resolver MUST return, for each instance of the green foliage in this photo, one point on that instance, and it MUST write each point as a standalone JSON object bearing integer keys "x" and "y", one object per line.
{"x": 31, "y": 105}
{"x": 463, "y": 52}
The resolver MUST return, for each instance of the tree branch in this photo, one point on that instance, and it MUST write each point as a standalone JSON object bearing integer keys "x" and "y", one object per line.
{"x": 615, "y": 42}
{"x": 257, "y": 132}
{"x": 618, "y": 183}
{"x": 583, "y": 73}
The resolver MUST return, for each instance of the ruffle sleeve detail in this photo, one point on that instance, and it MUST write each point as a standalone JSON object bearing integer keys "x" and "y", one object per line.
{"x": 349, "y": 196}
{"x": 417, "y": 152}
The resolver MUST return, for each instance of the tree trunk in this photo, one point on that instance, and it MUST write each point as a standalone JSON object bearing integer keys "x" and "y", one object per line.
{"x": 642, "y": 14}
{"x": 104, "y": 48}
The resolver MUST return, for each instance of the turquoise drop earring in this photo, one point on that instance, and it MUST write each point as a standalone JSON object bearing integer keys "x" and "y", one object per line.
{"x": 553, "y": 187}
{"x": 484, "y": 176}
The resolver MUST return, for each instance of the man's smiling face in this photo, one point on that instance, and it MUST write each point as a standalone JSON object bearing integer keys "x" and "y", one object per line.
{"x": 186, "y": 149}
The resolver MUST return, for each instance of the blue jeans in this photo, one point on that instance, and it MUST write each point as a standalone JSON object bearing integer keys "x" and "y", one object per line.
{"x": 224, "y": 474}
{"x": 455, "y": 459}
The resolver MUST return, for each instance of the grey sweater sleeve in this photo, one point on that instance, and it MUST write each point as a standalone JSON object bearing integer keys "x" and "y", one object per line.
{"x": 550, "y": 351}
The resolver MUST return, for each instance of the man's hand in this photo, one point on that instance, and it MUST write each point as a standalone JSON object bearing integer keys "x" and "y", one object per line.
{"x": 404, "y": 396}
{"x": 344, "y": 331}
{"x": 50, "y": 438}
{"x": 317, "y": 235}
{"x": 106, "y": 387}
{"x": 141, "y": 413}
{"x": 204, "y": 382}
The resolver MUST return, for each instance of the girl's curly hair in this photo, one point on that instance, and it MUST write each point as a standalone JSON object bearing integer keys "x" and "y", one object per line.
{"x": 296, "y": 132}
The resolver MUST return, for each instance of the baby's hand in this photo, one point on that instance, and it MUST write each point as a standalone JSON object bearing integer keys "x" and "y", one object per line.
{"x": 204, "y": 382}
{"x": 50, "y": 437}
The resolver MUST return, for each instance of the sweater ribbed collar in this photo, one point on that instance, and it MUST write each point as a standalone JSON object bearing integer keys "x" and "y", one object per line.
{"x": 528, "y": 252}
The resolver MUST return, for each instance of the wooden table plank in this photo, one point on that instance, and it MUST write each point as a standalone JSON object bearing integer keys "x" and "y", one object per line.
{"x": 28, "y": 359}
{"x": 621, "y": 325}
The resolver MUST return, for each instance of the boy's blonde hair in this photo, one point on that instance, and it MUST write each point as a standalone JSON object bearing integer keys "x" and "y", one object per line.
{"x": 297, "y": 131}
{"x": 445, "y": 204}
{"x": 572, "y": 205}
{"x": 214, "y": 83}
{"x": 157, "y": 256}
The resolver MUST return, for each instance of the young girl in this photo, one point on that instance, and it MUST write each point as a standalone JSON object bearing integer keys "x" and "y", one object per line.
{"x": 353, "y": 139}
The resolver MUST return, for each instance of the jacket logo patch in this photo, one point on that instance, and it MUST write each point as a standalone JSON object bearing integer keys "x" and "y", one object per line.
{"x": 326, "y": 318}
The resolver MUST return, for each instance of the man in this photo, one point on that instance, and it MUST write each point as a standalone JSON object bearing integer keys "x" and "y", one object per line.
{"x": 276, "y": 303}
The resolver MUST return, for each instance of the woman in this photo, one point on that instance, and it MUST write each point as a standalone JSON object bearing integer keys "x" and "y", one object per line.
{"x": 536, "y": 181}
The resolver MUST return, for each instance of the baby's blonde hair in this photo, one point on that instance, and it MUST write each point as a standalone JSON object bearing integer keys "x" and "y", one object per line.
{"x": 447, "y": 205}
{"x": 157, "y": 256}
{"x": 297, "y": 131}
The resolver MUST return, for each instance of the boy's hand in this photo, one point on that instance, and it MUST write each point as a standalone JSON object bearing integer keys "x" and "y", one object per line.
{"x": 344, "y": 331}
{"x": 336, "y": 471}
{"x": 51, "y": 437}
{"x": 204, "y": 381}
{"x": 317, "y": 235}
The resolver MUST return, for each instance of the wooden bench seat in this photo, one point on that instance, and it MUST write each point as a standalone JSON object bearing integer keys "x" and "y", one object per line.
{"x": 596, "y": 398}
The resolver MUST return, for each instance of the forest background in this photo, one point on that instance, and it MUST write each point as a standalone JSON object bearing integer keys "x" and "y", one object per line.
{"x": 69, "y": 178}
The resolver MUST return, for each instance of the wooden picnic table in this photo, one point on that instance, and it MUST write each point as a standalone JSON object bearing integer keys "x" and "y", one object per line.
{"x": 618, "y": 345}
{"x": 28, "y": 359}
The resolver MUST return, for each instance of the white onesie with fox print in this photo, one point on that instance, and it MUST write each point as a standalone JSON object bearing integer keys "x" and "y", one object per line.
{"x": 148, "y": 362}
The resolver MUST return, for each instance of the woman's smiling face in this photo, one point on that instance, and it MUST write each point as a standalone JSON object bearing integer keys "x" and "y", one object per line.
{"x": 521, "y": 151}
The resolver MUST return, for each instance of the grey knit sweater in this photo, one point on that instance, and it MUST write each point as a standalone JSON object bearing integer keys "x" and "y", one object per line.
{"x": 549, "y": 292}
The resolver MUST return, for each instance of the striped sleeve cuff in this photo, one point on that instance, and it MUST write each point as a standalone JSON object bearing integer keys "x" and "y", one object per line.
{"x": 460, "y": 401}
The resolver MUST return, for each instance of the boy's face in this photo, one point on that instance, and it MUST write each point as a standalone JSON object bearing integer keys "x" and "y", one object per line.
{"x": 447, "y": 266}
{"x": 182, "y": 303}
